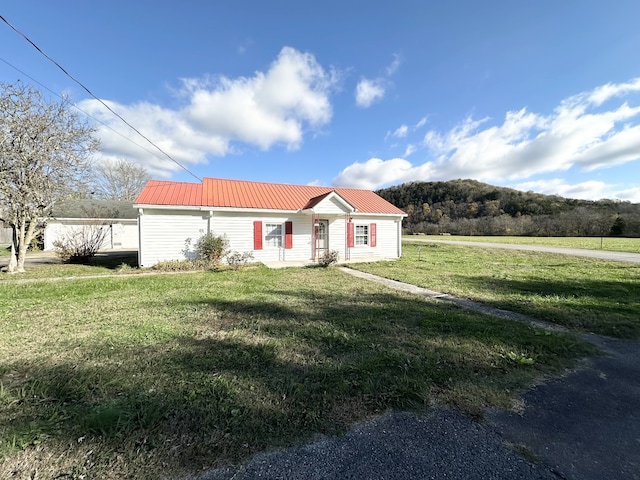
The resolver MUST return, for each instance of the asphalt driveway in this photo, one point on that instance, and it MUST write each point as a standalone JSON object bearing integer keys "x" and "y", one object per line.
{"x": 583, "y": 426}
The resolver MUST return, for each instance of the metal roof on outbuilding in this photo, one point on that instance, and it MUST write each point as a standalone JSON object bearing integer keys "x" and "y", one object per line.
{"x": 93, "y": 208}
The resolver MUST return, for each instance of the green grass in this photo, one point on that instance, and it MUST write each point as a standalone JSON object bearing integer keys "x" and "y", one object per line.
{"x": 614, "y": 244}
{"x": 580, "y": 293}
{"x": 163, "y": 376}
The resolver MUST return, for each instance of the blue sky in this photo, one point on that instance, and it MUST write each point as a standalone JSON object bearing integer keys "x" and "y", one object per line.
{"x": 541, "y": 96}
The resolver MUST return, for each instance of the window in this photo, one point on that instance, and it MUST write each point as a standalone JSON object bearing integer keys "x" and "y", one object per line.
{"x": 273, "y": 235}
{"x": 362, "y": 234}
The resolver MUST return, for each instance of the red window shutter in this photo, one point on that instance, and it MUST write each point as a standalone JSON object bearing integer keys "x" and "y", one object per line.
{"x": 288, "y": 234}
{"x": 373, "y": 235}
{"x": 350, "y": 235}
{"x": 257, "y": 235}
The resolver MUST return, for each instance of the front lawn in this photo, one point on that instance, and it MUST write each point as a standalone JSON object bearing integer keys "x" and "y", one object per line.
{"x": 163, "y": 376}
{"x": 581, "y": 293}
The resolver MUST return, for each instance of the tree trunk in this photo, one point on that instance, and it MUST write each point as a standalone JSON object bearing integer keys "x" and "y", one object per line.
{"x": 22, "y": 253}
{"x": 13, "y": 264}
{"x": 22, "y": 236}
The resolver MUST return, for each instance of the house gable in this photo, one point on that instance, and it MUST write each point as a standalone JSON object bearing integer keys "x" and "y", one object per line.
{"x": 331, "y": 203}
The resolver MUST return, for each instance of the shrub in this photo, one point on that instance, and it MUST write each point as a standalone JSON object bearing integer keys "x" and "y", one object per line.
{"x": 212, "y": 248}
{"x": 329, "y": 257}
{"x": 237, "y": 260}
{"x": 81, "y": 244}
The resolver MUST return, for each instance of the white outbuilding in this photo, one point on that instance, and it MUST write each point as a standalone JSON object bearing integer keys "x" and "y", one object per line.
{"x": 74, "y": 217}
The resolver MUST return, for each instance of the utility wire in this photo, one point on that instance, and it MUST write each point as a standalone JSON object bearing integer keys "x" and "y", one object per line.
{"x": 95, "y": 97}
{"x": 78, "y": 108}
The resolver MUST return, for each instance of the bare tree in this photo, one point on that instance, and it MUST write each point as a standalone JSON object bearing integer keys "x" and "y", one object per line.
{"x": 120, "y": 179}
{"x": 44, "y": 157}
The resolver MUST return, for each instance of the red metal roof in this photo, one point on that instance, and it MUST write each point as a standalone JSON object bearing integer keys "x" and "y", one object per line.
{"x": 219, "y": 192}
{"x": 158, "y": 192}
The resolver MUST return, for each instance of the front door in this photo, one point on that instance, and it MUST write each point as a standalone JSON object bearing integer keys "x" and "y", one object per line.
{"x": 321, "y": 235}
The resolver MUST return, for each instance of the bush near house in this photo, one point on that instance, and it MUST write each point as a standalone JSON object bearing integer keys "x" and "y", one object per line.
{"x": 328, "y": 258}
{"x": 212, "y": 248}
{"x": 81, "y": 244}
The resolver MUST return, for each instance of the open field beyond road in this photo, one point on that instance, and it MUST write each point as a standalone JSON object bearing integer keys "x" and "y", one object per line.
{"x": 614, "y": 244}
{"x": 162, "y": 376}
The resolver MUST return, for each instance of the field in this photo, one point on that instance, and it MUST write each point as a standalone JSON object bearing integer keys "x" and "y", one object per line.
{"x": 614, "y": 244}
{"x": 164, "y": 376}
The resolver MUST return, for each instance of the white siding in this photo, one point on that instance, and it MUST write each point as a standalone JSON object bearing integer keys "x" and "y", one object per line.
{"x": 387, "y": 238}
{"x": 120, "y": 234}
{"x": 164, "y": 234}
{"x": 169, "y": 236}
{"x": 338, "y": 236}
{"x": 238, "y": 228}
{"x": 330, "y": 206}
{"x": 129, "y": 238}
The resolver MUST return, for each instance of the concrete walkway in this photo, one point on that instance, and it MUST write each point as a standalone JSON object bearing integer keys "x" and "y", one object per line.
{"x": 463, "y": 303}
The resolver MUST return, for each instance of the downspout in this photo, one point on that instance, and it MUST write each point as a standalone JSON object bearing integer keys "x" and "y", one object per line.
{"x": 140, "y": 214}
{"x": 314, "y": 239}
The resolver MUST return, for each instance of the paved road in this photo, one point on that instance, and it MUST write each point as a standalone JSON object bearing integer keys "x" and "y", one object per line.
{"x": 579, "y": 252}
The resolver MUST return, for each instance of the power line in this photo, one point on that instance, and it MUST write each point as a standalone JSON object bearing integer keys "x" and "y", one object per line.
{"x": 96, "y": 98}
{"x": 78, "y": 108}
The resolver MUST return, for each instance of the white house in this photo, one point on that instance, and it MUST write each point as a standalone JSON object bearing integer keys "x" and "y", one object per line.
{"x": 71, "y": 217}
{"x": 275, "y": 222}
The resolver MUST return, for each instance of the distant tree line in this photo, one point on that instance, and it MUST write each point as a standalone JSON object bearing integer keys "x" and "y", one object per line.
{"x": 468, "y": 207}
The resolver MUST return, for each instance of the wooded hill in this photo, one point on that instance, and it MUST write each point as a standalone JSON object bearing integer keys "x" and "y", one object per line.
{"x": 469, "y": 207}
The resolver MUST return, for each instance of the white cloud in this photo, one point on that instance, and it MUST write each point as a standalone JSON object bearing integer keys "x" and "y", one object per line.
{"x": 590, "y": 190}
{"x": 603, "y": 93}
{"x": 579, "y": 133}
{"x": 411, "y": 149}
{"x": 630, "y": 194}
{"x": 401, "y": 131}
{"x": 373, "y": 173}
{"x": 394, "y": 65}
{"x": 270, "y": 108}
{"x": 368, "y": 92}
{"x": 421, "y": 123}
{"x": 244, "y": 46}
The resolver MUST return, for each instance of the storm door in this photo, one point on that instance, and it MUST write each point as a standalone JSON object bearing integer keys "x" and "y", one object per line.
{"x": 321, "y": 236}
